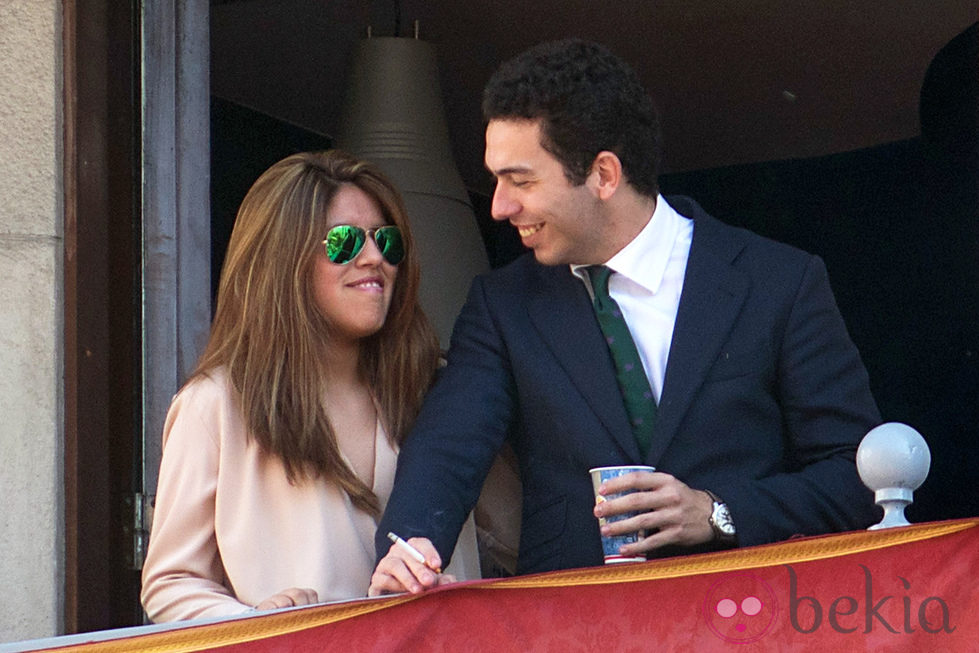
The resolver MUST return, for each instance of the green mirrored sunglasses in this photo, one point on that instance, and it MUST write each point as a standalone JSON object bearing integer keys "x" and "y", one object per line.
{"x": 344, "y": 242}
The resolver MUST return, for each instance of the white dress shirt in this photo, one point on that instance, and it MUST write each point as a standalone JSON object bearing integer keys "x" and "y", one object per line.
{"x": 647, "y": 283}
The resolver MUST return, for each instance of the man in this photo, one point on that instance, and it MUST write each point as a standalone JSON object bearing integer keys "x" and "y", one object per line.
{"x": 759, "y": 396}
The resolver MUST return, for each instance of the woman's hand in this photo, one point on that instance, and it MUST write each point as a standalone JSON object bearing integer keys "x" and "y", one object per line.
{"x": 289, "y": 598}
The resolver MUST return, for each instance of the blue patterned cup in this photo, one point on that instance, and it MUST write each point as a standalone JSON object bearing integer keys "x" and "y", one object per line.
{"x": 611, "y": 544}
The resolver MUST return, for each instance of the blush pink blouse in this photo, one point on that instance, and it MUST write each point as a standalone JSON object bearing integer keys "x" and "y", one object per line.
{"x": 229, "y": 530}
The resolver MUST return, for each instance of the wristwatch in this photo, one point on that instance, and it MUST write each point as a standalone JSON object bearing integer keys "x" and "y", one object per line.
{"x": 720, "y": 519}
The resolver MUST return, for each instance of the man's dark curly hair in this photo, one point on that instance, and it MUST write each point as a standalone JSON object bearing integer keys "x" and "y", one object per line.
{"x": 588, "y": 100}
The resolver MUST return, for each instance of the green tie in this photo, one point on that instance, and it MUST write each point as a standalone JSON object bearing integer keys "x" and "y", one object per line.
{"x": 638, "y": 397}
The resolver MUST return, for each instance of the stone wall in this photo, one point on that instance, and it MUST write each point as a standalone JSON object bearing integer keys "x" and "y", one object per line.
{"x": 31, "y": 322}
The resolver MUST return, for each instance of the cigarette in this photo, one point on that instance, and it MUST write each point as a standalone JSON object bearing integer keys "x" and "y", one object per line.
{"x": 412, "y": 551}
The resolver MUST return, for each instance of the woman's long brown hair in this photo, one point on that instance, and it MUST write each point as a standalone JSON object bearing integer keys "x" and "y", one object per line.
{"x": 268, "y": 334}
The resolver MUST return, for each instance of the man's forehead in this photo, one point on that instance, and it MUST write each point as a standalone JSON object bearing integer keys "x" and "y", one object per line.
{"x": 512, "y": 145}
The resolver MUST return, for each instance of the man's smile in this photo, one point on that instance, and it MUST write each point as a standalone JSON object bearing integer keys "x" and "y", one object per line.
{"x": 529, "y": 230}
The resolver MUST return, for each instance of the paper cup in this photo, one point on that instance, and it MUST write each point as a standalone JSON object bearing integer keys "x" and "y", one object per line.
{"x": 611, "y": 544}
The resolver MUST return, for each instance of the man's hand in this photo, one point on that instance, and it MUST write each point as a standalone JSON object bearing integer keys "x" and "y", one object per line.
{"x": 288, "y": 598}
{"x": 399, "y": 572}
{"x": 670, "y": 512}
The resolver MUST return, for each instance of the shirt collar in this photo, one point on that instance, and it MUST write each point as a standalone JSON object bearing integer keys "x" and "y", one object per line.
{"x": 645, "y": 258}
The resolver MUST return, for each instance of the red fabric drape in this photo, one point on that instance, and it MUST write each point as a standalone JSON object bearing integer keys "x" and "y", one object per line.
{"x": 907, "y": 589}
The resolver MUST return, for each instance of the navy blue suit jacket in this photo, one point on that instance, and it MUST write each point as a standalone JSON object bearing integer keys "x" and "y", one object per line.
{"x": 764, "y": 402}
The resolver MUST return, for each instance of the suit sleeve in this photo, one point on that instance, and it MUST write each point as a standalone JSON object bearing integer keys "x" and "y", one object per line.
{"x": 824, "y": 393}
{"x": 462, "y": 425}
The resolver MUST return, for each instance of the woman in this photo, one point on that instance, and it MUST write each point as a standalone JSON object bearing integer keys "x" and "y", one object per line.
{"x": 279, "y": 452}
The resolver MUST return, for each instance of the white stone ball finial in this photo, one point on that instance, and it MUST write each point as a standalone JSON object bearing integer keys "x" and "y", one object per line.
{"x": 893, "y": 461}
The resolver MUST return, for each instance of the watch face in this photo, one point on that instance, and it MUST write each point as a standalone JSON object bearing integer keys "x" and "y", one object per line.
{"x": 722, "y": 519}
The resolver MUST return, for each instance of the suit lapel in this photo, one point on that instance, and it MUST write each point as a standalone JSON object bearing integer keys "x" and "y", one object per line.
{"x": 712, "y": 296}
{"x": 565, "y": 321}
